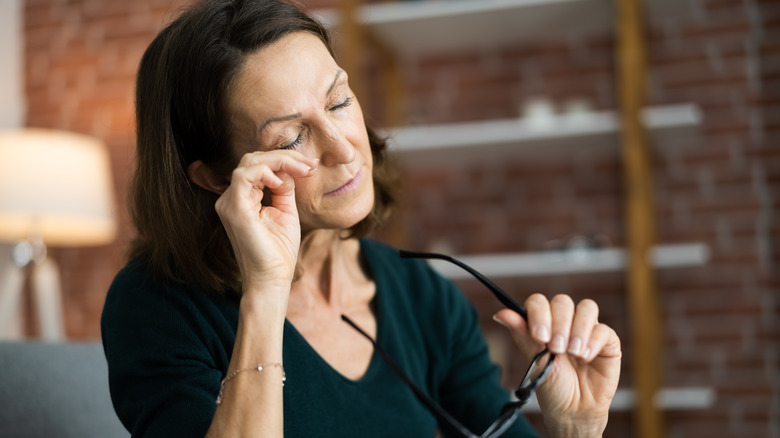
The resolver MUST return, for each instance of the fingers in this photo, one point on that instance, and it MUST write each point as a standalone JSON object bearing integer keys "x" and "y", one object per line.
{"x": 604, "y": 342}
{"x": 559, "y": 324}
{"x": 585, "y": 319}
{"x": 259, "y": 170}
{"x": 519, "y": 330}
{"x": 562, "y": 309}
{"x": 265, "y": 167}
{"x": 256, "y": 171}
{"x": 539, "y": 317}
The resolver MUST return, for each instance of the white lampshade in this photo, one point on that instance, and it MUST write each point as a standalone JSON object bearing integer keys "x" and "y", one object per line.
{"x": 57, "y": 186}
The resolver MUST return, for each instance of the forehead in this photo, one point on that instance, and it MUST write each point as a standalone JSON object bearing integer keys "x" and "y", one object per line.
{"x": 283, "y": 72}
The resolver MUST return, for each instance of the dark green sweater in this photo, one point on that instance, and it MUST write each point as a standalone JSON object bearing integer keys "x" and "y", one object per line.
{"x": 168, "y": 346}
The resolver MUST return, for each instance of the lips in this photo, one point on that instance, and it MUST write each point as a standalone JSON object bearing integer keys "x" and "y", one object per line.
{"x": 348, "y": 186}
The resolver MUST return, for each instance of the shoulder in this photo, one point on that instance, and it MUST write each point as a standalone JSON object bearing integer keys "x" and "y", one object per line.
{"x": 135, "y": 291}
{"x": 155, "y": 331}
{"x": 138, "y": 305}
{"x": 135, "y": 285}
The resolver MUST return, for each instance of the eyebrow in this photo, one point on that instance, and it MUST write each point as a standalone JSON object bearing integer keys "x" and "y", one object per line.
{"x": 297, "y": 115}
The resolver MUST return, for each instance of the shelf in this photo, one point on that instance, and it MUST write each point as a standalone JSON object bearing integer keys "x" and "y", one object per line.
{"x": 667, "y": 125}
{"x": 420, "y": 27}
{"x": 560, "y": 263}
{"x": 666, "y": 399}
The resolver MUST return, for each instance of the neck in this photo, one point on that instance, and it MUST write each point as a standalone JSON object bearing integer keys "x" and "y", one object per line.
{"x": 329, "y": 268}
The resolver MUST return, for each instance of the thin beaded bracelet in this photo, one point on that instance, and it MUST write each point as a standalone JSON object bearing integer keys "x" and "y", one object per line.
{"x": 259, "y": 367}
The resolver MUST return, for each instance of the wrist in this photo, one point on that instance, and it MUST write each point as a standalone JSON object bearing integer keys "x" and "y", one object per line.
{"x": 576, "y": 428}
{"x": 264, "y": 303}
{"x": 260, "y": 331}
{"x": 266, "y": 281}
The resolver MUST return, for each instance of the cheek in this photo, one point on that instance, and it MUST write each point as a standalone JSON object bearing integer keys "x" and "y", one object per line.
{"x": 306, "y": 195}
{"x": 303, "y": 190}
{"x": 359, "y": 137}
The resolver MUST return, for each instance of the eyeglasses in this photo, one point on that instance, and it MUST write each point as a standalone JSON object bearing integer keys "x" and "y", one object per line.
{"x": 534, "y": 376}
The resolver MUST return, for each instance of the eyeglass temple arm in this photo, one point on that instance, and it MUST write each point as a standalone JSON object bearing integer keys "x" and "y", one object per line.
{"x": 502, "y": 296}
{"x": 444, "y": 418}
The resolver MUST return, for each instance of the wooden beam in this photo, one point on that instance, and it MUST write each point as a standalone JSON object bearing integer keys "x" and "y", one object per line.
{"x": 643, "y": 306}
{"x": 351, "y": 56}
{"x": 391, "y": 82}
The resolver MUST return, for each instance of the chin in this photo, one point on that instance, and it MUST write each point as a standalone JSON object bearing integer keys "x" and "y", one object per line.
{"x": 354, "y": 216}
{"x": 342, "y": 219}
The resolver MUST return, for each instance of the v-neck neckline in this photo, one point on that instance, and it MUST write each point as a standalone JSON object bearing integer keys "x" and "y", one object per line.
{"x": 380, "y": 318}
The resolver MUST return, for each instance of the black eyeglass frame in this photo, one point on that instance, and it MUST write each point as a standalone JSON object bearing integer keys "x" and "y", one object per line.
{"x": 511, "y": 410}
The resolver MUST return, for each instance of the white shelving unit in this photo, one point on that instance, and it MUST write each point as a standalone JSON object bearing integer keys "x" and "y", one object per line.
{"x": 463, "y": 25}
{"x": 562, "y": 263}
{"x": 666, "y": 399}
{"x": 498, "y": 139}
{"x": 411, "y": 29}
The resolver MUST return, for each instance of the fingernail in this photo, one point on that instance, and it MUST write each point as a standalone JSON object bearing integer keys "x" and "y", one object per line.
{"x": 495, "y": 318}
{"x": 586, "y": 354}
{"x": 303, "y": 166}
{"x": 557, "y": 344}
{"x": 575, "y": 346}
{"x": 541, "y": 333}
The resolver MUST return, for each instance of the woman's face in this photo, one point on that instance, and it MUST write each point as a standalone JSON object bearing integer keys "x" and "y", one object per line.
{"x": 292, "y": 95}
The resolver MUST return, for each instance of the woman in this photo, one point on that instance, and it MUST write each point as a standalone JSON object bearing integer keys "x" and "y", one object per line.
{"x": 241, "y": 105}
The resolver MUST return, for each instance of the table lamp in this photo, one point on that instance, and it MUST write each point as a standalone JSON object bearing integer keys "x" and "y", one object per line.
{"x": 55, "y": 190}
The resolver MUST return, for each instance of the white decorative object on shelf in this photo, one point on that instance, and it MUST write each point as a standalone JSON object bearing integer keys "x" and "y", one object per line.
{"x": 539, "y": 112}
{"x": 550, "y": 262}
{"x": 577, "y": 110}
{"x": 496, "y": 139}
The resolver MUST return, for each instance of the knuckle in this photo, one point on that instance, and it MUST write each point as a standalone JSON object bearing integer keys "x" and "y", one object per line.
{"x": 601, "y": 331}
{"x": 248, "y": 158}
{"x": 588, "y": 306}
{"x": 220, "y": 209}
{"x": 536, "y": 299}
{"x": 563, "y": 300}
{"x": 237, "y": 173}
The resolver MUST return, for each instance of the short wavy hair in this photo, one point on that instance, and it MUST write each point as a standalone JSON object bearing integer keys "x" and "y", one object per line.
{"x": 183, "y": 84}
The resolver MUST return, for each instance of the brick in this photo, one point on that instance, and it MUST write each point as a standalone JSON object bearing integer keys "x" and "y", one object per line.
{"x": 719, "y": 319}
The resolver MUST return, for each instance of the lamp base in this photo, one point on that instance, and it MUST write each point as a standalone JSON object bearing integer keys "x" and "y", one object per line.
{"x": 47, "y": 296}
{"x": 48, "y": 300}
{"x": 11, "y": 321}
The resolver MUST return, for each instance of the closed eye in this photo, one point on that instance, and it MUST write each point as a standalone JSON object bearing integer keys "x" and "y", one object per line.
{"x": 295, "y": 143}
{"x": 345, "y": 103}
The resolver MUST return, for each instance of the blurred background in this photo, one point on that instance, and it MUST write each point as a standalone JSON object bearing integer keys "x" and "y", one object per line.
{"x": 505, "y": 117}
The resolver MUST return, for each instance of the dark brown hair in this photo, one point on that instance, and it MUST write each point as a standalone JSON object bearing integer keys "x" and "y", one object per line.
{"x": 184, "y": 81}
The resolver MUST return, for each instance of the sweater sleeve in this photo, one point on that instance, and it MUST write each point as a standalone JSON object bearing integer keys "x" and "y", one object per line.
{"x": 471, "y": 389}
{"x": 165, "y": 362}
{"x": 461, "y": 376}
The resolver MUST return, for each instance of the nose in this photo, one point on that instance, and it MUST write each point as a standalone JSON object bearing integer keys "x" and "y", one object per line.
{"x": 335, "y": 148}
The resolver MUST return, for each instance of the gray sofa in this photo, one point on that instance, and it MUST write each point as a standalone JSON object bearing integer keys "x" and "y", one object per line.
{"x": 55, "y": 390}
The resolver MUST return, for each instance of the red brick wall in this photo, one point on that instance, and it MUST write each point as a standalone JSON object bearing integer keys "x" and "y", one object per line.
{"x": 80, "y": 64}
{"x": 720, "y": 320}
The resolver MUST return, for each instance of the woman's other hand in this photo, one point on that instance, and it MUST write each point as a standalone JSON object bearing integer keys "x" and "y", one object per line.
{"x": 265, "y": 236}
{"x": 576, "y": 394}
